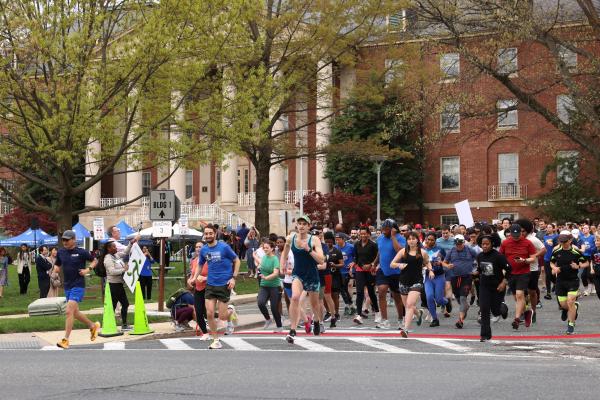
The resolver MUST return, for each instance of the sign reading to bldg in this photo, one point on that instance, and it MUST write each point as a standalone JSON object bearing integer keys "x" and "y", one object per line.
{"x": 164, "y": 205}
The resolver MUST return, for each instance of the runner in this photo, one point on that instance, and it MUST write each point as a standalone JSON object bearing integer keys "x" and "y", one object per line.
{"x": 387, "y": 278}
{"x": 566, "y": 261}
{"x": 333, "y": 260}
{"x": 550, "y": 242}
{"x": 71, "y": 260}
{"x": 411, "y": 261}
{"x": 520, "y": 254}
{"x": 223, "y": 267}
{"x": 308, "y": 253}
{"x": 588, "y": 247}
{"x": 493, "y": 271}
{"x": 365, "y": 254}
{"x": 446, "y": 243}
{"x": 269, "y": 286}
{"x": 595, "y": 269}
{"x": 435, "y": 279}
{"x": 534, "y": 267}
{"x": 347, "y": 251}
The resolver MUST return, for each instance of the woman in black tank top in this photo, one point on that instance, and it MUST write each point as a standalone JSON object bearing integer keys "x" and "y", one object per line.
{"x": 411, "y": 261}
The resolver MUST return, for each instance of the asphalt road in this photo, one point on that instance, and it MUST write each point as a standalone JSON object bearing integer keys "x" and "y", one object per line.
{"x": 144, "y": 375}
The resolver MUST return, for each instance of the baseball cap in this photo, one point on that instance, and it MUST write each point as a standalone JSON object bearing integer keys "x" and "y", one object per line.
{"x": 575, "y": 233}
{"x": 418, "y": 226}
{"x": 68, "y": 234}
{"x": 459, "y": 238}
{"x": 515, "y": 230}
{"x": 305, "y": 218}
{"x": 388, "y": 223}
{"x": 564, "y": 236}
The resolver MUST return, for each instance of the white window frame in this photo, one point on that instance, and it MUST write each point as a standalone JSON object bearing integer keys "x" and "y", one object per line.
{"x": 504, "y": 116}
{"x": 398, "y": 22}
{"x": 189, "y": 183}
{"x": 451, "y": 112}
{"x": 508, "y": 61}
{"x": 455, "y": 189}
{"x": 564, "y": 104}
{"x": 392, "y": 71}
{"x": 572, "y": 158}
{"x": 450, "y": 62}
{"x": 454, "y": 221}
{"x": 146, "y": 182}
{"x": 568, "y": 58}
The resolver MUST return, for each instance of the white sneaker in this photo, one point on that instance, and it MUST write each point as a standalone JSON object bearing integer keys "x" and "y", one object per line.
{"x": 495, "y": 319}
{"x": 586, "y": 293}
{"x": 229, "y": 330}
{"x": 267, "y": 324}
{"x": 216, "y": 344}
{"x": 278, "y": 329}
{"x": 385, "y": 324}
{"x": 377, "y": 317}
{"x": 205, "y": 337}
{"x": 428, "y": 318}
{"x": 358, "y": 320}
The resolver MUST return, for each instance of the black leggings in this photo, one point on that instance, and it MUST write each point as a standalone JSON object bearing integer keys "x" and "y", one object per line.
{"x": 265, "y": 294}
{"x": 146, "y": 285}
{"x": 344, "y": 292}
{"x": 200, "y": 307}
{"x": 24, "y": 279}
{"x": 550, "y": 278}
{"x": 365, "y": 279}
{"x": 44, "y": 285}
{"x": 490, "y": 300}
{"x": 118, "y": 295}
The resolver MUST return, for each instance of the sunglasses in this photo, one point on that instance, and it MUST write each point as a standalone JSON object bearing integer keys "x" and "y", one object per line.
{"x": 403, "y": 230}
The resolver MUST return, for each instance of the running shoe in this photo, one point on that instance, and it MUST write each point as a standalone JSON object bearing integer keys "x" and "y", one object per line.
{"x": 403, "y": 333}
{"x": 267, "y": 324}
{"x": 358, "y": 320}
{"x": 125, "y": 328}
{"x": 485, "y": 339}
{"x": 377, "y": 317}
{"x": 504, "y": 310}
{"x": 384, "y": 324}
{"x": 347, "y": 311}
{"x": 539, "y": 305}
{"x": 352, "y": 310}
{"x": 515, "y": 323}
{"x": 290, "y": 336}
{"x": 94, "y": 331}
{"x": 63, "y": 344}
{"x": 215, "y": 345}
{"x": 428, "y": 318}
{"x": 548, "y": 296}
{"x": 563, "y": 314}
{"x": 278, "y": 329}
{"x": 332, "y": 323}
{"x": 420, "y": 317}
{"x": 576, "y": 310}
{"x": 570, "y": 328}
{"x": 307, "y": 324}
{"x": 449, "y": 306}
{"x": 528, "y": 316}
{"x": 229, "y": 330}
{"x": 459, "y": 324}
{"x": 205, "y": 337}
{"x": 322, "y": 327}
{"x": 534, "y": 318}
{"x": 316, "y": 328}
{"x": 327, "y": 317}
{"x": 495, "y": 318}
{"x": 586, "y": 293}
{"x": 434, "y": 323}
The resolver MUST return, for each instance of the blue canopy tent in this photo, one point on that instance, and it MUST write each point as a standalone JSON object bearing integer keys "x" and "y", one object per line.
{"x": 31, "y": 237}
{"x": 80, "y": 230}
{"x": 125, "y": 229}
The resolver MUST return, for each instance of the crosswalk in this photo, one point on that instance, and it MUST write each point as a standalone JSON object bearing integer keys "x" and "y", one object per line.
{"x": 361, "y": 344}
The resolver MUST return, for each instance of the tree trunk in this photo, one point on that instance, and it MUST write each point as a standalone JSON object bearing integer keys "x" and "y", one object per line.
{"x": 261, "y": 207}
{"x": 64, "y": 216}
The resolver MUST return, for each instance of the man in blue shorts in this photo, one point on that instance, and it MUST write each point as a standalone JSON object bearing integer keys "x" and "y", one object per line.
{"x": 308, "y": 252}
{"x": 72, "y": 259}
{"x": 387, "y": 278}
{"x": 223, "y": 267}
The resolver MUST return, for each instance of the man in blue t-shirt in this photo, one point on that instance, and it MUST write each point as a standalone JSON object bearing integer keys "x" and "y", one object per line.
{"x": 347, "y": 250}
{"x": 223, "y": 267}
{"x": 550, "y": 241}
{"x": 72, "y": 261}
{"x": 446, "y": 243}
{"x": 387, "y": 278}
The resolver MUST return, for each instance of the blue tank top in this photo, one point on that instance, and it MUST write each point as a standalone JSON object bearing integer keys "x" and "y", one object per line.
{"x": 305, "y": 267}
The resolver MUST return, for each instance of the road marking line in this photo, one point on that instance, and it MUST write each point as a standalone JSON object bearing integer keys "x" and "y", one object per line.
{"x": 379, "y": 345}
{"x": 240, "y": 344}
{"x": 175, "y": 344}
{"x": 445, "y": 344}
{"x": 311, "y": 346}
{"x": 114, "y": 346}
{"x": 51, "y": 348}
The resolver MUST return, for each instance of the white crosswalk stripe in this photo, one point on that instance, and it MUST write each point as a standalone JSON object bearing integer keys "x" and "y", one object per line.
{"x": 312, "y": 346}
{"x": 379, "y": 345}
{"x": 445, "y": 344}
{"x": 175, "y": 344}
{"x": 239, "y": 344}
{"x": 114, "y": 346}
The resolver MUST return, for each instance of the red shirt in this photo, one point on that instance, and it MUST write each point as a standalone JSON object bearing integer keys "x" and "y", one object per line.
{"x": 512, "y": 248}
{"x": 200, "y": 286}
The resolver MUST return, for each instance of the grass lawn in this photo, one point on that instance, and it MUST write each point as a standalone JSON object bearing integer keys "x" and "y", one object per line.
{"x": 14, "y": 303}
{"x": 55, "y": 323}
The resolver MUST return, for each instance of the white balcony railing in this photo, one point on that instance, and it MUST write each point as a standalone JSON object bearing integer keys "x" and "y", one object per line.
{"x": 294, "y": 196}
{"x": 507, "y": 191}
{"x": 111, "y": 201}
{"x": 5, "y": 208}
{"x": 246, "y": 199}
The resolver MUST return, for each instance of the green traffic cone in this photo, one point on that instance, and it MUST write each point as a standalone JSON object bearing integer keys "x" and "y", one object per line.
{"x": 140, "y": 320}
{"x": 109, "y": 324}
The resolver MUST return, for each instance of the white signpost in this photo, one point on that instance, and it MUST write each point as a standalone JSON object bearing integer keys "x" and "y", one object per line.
{"x": 136, "y": 262}
{"x": 184, "y": 228}
{"x": 162, "y": 229}
{"x": 98, "y": 228}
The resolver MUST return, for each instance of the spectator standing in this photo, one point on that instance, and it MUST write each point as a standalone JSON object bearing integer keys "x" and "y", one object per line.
{"x": 43, "y": 266}
{"x": 24, "y": 268}
{"x": 3, "y": 270}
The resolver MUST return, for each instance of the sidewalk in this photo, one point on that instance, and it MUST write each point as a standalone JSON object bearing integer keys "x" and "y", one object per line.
{"x": 82, "y": 336}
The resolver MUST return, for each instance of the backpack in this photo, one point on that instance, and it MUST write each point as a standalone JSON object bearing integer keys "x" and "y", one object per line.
{"x": 100, "y": 269}
{"x": 173, "y": 298}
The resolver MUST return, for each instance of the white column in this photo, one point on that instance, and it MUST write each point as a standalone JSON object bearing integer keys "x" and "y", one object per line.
{"x": 133, "y": 182}
{"x": 92, "y": 195}
{"x": 324, "y": 110}
{"x": 229, "y": 192}
{"x": 276, "y": 184}
{"x": 134, "y": 186}
{"x": 177, "y": 179}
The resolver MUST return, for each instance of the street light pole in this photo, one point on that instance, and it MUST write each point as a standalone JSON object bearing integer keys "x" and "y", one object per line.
{"x": 379, "y": 160}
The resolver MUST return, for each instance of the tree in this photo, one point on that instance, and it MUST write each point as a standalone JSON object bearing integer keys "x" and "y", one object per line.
{"x": 19, "y": 220}
{"x": 323, "y": 208}
{"x": 78, "y": 73}
{"x": 284, "y": 65}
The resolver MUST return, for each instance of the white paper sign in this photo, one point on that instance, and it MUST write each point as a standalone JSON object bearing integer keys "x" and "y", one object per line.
{"x": 98, "y": 228}
{"x": 184, "y": 228}
{"x": 463, "y": 210}
{"x": 162, "y": 229}
{"x": 136, "y": 262}
{"x": 340, "y": 217}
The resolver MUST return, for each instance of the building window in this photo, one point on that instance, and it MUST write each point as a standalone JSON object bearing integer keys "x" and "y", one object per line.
{"x": 507, "y": 114}
{"x": 564, "y": 108}
{"x": 189, "y": 184}
{"x": 507, "y": 61}
{"x": 246, "y": 180}
{"x": 146, "y": 183}
{"x": 508, "y": 169}
{"x": 451, "y": 219}
{"x": 567, "y": 167}
{"x": 398, "y": 21}
{"x": 450, "y": 118}
{"x": 392, "y": 71}
{"x": 450, "y": 65}
{"x": 568, "y": 58}
{"x": 450, "y": 171}
{"x": 286, "y": 179}
{"x": 218, "y": 181}
{"x": 510, "y": 216}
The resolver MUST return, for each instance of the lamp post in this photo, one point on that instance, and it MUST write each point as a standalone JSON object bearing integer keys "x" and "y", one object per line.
{"x": 379, "y": 160}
